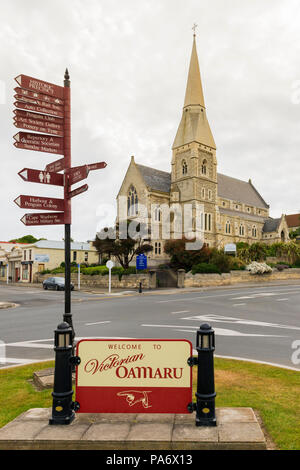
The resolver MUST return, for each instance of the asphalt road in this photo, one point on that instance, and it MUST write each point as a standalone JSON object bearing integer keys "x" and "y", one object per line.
{"x": 253, "y": 323}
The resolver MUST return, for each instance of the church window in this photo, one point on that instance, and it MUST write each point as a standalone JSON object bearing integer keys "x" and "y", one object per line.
{"x": 209, "y": 194}
{"x": 203, "y": 193}
{"x": 132, "y": 201}
{"x": 254, "y": 231}
{"x": 157, "y": 215}
{"x": 157, "y": 248}
{"x": 227, "y": 227}
{"x": 242, "y": 230}
{"x": 204, "y": 167}
{"x": 184, "y": 167}
{"x": 209, "y": 222}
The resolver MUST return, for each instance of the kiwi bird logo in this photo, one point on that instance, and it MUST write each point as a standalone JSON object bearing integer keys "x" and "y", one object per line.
{"x": 135, "y": 396}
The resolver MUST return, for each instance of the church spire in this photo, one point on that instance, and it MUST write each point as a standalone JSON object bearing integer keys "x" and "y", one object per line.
{"x": 194, "y": 92}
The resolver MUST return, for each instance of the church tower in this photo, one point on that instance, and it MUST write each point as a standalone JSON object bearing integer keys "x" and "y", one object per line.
{"x": 194, "y": 163}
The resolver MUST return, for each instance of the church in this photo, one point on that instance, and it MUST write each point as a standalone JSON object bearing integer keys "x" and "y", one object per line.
{"x": 233, "y": 210}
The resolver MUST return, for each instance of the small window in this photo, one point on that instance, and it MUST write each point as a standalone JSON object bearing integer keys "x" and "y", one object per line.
{"x": 228, "y": 227}
{"x": 184, "y": 167}
{"x": 74, "y": 255}
{"x": 86, "y": 256}
{"x": 24, "y": 255}
{"x": 204, "y": 167}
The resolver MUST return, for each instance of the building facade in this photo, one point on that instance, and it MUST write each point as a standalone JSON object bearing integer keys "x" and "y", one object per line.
{"x": 232, "y": 210}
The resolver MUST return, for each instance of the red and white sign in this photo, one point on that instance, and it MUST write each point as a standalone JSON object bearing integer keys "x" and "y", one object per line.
{"x": 44, "y": 104}
{"x": 38, "y": 122}
{"x": 39, "y": 96}
{"x": 77, "y": 174}
{"x": 56, "y": 218}
{"x": 43, "y": 177}
{"x": 96, "y": 166}
{"x": 40, "y": 203}
{"x": 39, "y": 142}
{"x": 134, "y": 376}
{"x": 38, "y": 109}
{"x": 77, "y": 191}
{"x": 56, "y": 166}
{"x": 40, "y": 86}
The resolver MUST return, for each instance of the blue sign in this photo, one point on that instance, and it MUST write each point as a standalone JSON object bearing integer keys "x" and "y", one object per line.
{"x": 141, "y": 262}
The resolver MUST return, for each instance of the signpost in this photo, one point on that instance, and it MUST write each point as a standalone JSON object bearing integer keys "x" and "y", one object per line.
{"x": 141, "y": 262}
{"x": 40, "y": 203}
{"x": 110, "y": 264}
{"x": 39, "y": 142}
{"x": 134, "y": 376}
{"x": 40, "y": 176}
{"x": 43, "y": 218}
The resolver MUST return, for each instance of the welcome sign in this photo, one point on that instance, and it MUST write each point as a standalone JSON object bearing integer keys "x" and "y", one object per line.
{"x": 134, "y": 376}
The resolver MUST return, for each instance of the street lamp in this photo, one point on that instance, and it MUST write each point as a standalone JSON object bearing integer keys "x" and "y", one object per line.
{"x": 205, "y": 405}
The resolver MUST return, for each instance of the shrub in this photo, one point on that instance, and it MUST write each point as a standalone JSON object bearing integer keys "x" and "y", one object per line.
{"x": 258, "y": 268}
{"x": 297, "y": 263}
{"x": 205, "y": 268}
{"x": 281, "y": 267}
{"x": 222, "y": 261}
{"x": 237, "y": 264}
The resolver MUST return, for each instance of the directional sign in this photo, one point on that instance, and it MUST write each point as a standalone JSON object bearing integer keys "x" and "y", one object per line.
{"x": 96, "y": 166}
{"x": 40, "y": 86}
{"x": 77, "y": 191}
{"x": 43, "y": 218}
{"x": 56, "y": 166}
{"x": 77, "y": 174}
{"x": 40, "y": 203}
{"x": 38, "y": 109}
{"x": 38, "y": 122}
{"x": 44, "y": 104}
{"x": 39, "y": 143}
{"x": 43, "y": 177}
{"x": 39, "y": 96}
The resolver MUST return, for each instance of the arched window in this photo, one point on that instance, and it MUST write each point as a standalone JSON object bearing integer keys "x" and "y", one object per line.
{"x": 132, "y": 201}
{"x": 227, "y": 227}
{"x": 282, "y": 236}
{"x": 157, "y": 214}
{"x": 184, "y": 167}
{"x": 242, "y": 230}
{"x": 204, "y": 167}
{"x": 254, "y": 231}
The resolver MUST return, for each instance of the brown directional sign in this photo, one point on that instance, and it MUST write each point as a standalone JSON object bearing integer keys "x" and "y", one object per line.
{"x": 34, "y": 84}
{"x": 44, "y": 104}
{"x": 40, "y": 176}
{"x": 77, "y": 191}
{"x": 38, "y": 109}
{"x": 96, "y": 166}
{"x": 56, "y": 166}
{"x": 38, "y": 122}
{"x": 43, "y": 218}
{"x": 40, "y": 203}
{"x": 77, "y": 174}
{"x": 39, "y": 96}
{"x": 39, "y": 143}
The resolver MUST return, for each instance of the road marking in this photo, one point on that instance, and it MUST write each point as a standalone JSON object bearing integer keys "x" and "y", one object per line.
{"x": 218, "y": 331}
{"x": 97, "y": 323}
{"x": 238, "y": 305}
{"x": 237, "y": 321}
{"x": 182, "y": 311}
{"x": 15, "y": 360}
{"x": 281, "y": 300}
{"x": 28, "y": 344}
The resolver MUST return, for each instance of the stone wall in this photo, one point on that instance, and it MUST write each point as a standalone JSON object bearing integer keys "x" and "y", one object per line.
{"x": 129, "y": 281}
{"x": 235, "y": 277}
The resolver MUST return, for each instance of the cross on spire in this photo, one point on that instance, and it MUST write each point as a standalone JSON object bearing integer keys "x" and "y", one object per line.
{"x": 194, "y": 28}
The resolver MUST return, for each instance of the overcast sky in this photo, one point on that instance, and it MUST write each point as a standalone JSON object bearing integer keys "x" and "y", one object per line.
{"x": 128, "y": 61}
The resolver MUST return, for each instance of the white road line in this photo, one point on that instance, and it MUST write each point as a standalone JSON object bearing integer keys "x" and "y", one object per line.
{"x": 253, "y": 361}
{"x": 218, "y": 331}
{"x": 14, "y": 360}
{"x": 238, "y": 305}
{"x": 28, "y": 344}
{"x": 182, "y": 311}
{"x": 281, "y": 300}
{"x": 237, "y": 321}
{"x": 97, "y": 323}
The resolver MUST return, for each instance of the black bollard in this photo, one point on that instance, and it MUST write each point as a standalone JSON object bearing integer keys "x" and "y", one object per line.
{"x": 140, "y": 288}
{"x": 62, "y": 405}
{"x": 205, "y": 405}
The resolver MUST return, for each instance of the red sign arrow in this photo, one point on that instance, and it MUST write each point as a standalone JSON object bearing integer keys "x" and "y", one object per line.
{"x": 34, "y": 84}
{"x": 77, "y": 174}
{"x": 43, "y": 177}
{"x": 38, "y": 109}
{"x": 96, "y": 166}
{"x": 56, "y": 218}
{"x": 77, "y": 191}
{"x": 38, "y": 122}
{"x": 44, "y": 104}
{"x": 40, "y": 203}
{"x": 38, "y": 96}
{"x": 56, "y": 166}
{"x": 39, "y": 143}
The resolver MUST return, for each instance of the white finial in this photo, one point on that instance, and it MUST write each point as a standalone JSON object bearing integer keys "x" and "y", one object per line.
{"x": 194, "y": 28}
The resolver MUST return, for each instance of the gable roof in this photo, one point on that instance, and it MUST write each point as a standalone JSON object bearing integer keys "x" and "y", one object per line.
{"x": 271, "y": 225}
{"x": 240, "y": 191}
{"x": 293, "y": 220}
{"x": 155, "y": 179}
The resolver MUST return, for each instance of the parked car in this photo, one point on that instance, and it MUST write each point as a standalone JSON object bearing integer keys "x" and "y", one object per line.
{"x": 56, "y": 283}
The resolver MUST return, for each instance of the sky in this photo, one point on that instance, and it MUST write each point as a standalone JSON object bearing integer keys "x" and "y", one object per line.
{"x": 128, "y": 62}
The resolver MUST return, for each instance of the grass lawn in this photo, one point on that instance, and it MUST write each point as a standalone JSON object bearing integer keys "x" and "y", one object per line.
{"x": 273, "y": 392}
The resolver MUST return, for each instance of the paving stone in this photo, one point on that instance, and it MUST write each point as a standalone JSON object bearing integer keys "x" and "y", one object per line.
{"x": 62, "y": 433}
{"x": 155, "y": 417}
{"x": 22, "y": 430}
{"x": 106, "y": 417}
{"x": 188, "y": 418}
{"x": 184, "y": 432}
{"x": 240, "y": 432}
{"x": 150, "y": 432}
{"x": 35, "y": 414}
{"x": 107, "y": 432}
{"x": 233, "y": 415}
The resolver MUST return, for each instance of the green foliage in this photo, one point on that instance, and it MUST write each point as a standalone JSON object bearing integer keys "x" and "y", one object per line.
{"x": 236, "y": 264}
{"x": 185, "y": 259}
{"x": 205, "y": 268}
{"x": 26, "y": 239}
{"x": 222, "y": 261}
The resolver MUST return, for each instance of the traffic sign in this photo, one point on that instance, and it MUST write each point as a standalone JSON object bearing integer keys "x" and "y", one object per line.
{"x": 77, "y": 191}
{"x": 39, "y": 142}
{"x": 38, "y": 108}
{"x": 40, "y": 203}
{"x": 43, "y": 177}
{"x": 39, "y": 96}
{"x": 43, "y": 218}
{"x": 56, "y": 166}
{"x": 40, "y": 86}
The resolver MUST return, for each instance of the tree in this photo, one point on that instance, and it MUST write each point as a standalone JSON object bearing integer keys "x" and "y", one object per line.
{"x": 25, "y": 239}
{"x": 185, "y": 259}
{"x": 124, "y": 249}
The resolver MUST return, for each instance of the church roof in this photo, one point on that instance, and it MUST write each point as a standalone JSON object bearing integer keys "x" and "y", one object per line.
{"x": 194, "y": 92}
{"x": 271, "y": 225}
{"x": 155, "y": 179}
{"x": 240, "y": 191}
{"x": 293, "y": 220}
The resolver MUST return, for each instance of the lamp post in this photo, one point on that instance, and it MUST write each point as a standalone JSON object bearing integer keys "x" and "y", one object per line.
{"x": 205, "y": 405}
{"x": 62, "y": 406}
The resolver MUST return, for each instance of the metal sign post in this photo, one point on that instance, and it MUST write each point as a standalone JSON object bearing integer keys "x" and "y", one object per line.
{"x": 110, "y": 264}
{"x": 78, "y": 276}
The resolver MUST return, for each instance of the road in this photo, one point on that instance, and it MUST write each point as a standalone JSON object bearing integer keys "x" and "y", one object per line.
{"x": 253, "y": 323}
